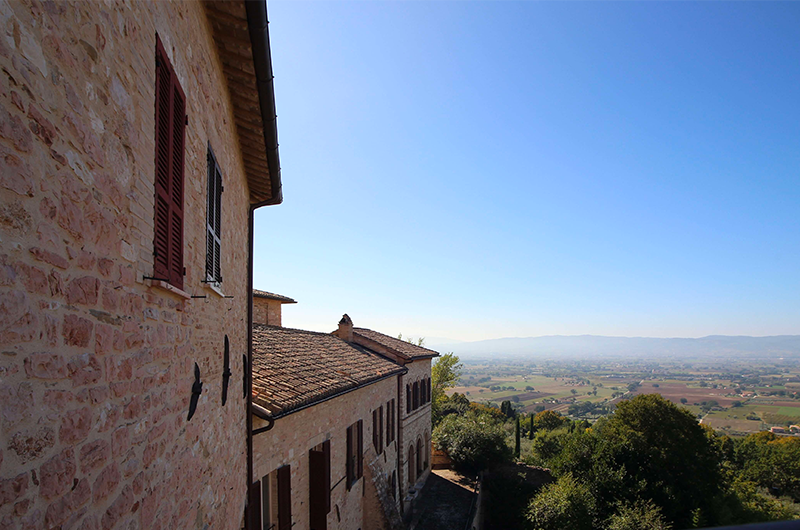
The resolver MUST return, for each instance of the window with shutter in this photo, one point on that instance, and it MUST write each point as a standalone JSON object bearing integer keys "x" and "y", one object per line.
{"x": 351, "y": 459}
{"x": 389, "y": 412}
{"x": 375, "y": 430}
{"x": 284, "y": 498}
{"x": 254, "y": 504}
{"x": 359, "y": 449}
{"x": 408, "y": 398}
{"x": 214, "y": 221}
{"x": 355, "y": 448}
{"x": 380, "y": 429}
{"x": 170, "y": 123}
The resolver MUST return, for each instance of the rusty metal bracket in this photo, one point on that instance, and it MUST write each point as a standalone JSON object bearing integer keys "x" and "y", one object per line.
{"x": 226, "y": 370}
{"x": 197, "y": 389}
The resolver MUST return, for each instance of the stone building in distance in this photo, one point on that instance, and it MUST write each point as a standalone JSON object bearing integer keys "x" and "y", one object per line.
{"x": 135, "y": 141}
{"x": 342, "y": 429}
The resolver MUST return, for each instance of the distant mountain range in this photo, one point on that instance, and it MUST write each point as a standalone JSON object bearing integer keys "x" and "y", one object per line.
{"x": 588, "y": 346}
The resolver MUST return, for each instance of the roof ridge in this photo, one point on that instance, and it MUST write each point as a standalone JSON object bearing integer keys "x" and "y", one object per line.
{"x": 395, "y": 338}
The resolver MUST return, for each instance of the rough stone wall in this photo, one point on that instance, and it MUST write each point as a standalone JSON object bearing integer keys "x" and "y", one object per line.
{"x": 414, "y": 425}
{"x": 294, "y": 435}
{"x": 96, "y": 365}
{"x": 266, "y": 311}
{"x": 381, "y": 511}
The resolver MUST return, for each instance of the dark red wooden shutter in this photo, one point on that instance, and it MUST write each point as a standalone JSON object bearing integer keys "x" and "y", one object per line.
{"x": 360, "y": 450}
{"x": 161, "y": 239}
{"x": 284, "y": 498}
{"x": 176, "y": 191}
{"x": 350, "y": 462}
{"x": 254, "y": 505}
{"x": 380, "y": 429}
{"x": 375, "y": 429}
{"x": 170, "y": 135}
{"x": 388, "y": 422}
{"x": 326, "y": 449}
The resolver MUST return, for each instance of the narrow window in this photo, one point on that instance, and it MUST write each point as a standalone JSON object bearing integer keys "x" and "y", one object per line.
{"x": 319, "y": 485}
{"x": 419, "y": 457}
{"x": 355, "y": 468}
{"x": 415, "y": 396}
{"x": 411, "y": 466}
{"x": 389, "y": 421}
{"x": 284, "y": 498}
{"x": 380, "y": 429}
{"x": 359, "y": 449}
{"x": 214, "y": 221}
{"x": 375, "y": 441}
{"x": 408, "y": 398}
{"x": 170, "y": 122}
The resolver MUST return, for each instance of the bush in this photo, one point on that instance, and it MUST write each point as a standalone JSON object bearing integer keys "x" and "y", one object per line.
{"x": 565, "y": 504}
{"x": 639, "y": 515}
{"x": 473, "y": 441}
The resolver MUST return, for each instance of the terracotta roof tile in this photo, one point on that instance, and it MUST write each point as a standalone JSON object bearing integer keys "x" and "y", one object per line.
{"x": 272, "y": 296}
{"x": 293, "y": 368}
{"x": 405, "y": 349}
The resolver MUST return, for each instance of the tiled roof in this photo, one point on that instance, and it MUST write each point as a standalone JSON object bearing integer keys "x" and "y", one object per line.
{"x": 405, "y": 349}
{"x": 293, "y": 368}
{"x": 273, "y": 296}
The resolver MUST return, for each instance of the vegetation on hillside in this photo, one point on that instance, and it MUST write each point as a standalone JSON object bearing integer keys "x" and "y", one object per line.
{"x": 648, "y": 465}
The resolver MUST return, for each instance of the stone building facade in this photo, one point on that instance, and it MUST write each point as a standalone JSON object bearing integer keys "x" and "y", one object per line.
{"x": 267, "y": 307}
{"x": 311, "y": 391}
{"x": 315, "y": 393}
{"x": 100, "y": 351}
{"x": 414, "y": 404}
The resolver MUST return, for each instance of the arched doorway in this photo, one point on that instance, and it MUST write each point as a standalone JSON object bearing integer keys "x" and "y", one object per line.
{"x": 420, "y": 456}
{"x": 411, "y": 466}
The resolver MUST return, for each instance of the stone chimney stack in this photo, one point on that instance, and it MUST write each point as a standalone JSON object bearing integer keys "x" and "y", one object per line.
{"x": 345, "y": 329}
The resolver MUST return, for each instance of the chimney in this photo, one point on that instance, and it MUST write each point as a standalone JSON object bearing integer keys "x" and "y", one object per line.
{"x": 345, "y": 329}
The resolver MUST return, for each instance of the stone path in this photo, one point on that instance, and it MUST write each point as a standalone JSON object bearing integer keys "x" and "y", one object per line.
{"x": 446, "y": 502}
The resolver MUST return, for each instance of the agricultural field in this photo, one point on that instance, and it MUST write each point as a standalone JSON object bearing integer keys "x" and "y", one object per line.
{"x": 737, "y": 401}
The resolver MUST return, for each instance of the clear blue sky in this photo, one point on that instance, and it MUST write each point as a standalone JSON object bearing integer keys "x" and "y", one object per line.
{"x": 478, "y": 170}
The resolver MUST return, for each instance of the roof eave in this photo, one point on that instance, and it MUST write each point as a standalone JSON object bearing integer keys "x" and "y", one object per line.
{"x": 258, "y": 27}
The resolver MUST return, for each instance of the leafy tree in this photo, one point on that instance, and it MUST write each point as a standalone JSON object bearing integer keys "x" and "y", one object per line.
{"x": 548, "y": 419}
{"x": 507, "y": 409}
{"x": 445, "y": 373}
{"x": 419, "y": 342}
{"x": 532, "y": 430}
{"x": 473, "y": 441}
{"x": 567, "y": 503}
{"x": 516, "y": 440}
{"x": 666, "y": 453}
{"x": 684, "y": 401}
{"x": 493, "y": 412}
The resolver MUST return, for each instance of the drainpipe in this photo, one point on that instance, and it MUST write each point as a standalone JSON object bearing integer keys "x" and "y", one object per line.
{"x": 249, "y": 367}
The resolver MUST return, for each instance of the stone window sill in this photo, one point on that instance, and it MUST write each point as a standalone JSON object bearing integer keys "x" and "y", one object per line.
{"x": 171, "y": 288}
{"x": 216, "y": 287}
